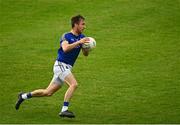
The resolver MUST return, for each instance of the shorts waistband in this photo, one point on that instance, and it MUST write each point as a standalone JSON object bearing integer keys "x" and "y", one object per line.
{"x": 62, "y": 63}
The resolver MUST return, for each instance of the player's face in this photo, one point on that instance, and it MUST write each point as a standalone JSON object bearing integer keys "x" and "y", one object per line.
{"x": 81, "y": 26}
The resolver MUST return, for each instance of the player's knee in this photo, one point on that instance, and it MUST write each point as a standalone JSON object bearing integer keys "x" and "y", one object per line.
{"x": 74, "y": 85}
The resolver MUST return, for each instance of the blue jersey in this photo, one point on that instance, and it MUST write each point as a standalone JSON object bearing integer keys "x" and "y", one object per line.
{"x": 71, "y": 56}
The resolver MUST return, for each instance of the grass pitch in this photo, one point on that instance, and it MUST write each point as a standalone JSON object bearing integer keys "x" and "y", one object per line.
{"x": 133, "y": 76}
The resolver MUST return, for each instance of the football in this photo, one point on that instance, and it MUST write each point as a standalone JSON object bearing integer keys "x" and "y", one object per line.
{"x": 90, "y": 45}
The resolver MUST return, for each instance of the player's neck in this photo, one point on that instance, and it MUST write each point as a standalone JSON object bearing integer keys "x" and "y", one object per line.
{"x": 74, "y": 32}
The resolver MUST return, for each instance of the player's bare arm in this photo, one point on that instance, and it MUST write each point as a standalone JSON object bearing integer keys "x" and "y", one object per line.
{"x": 85, "y": 51}
{"x": 68, "y": 47}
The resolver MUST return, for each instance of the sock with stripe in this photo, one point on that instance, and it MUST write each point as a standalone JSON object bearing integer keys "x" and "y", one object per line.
{"x": 65, "y": 106}
{"x": 26, "y": 95}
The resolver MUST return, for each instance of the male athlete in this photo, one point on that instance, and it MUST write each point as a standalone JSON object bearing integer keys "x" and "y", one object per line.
{"x": 70, "y": 46}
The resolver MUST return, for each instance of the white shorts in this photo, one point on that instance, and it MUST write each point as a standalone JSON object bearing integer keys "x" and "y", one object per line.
{"x": 61, "y": 70}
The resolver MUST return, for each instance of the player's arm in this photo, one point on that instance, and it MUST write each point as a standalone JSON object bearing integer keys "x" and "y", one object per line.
{"x": 68, "y": 47}
{"x": 85, "y": 51}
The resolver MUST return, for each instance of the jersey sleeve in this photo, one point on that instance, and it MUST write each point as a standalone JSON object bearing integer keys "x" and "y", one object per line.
{"x": 65, "y": 37}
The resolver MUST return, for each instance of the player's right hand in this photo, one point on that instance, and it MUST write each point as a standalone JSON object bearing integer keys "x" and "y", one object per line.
{"x": 84, "y": 40}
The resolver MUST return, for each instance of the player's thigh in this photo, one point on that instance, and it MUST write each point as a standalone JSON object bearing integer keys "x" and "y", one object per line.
{"x": 70, "y": 79}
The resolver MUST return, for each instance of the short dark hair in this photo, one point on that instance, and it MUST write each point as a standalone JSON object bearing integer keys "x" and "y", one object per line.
{"x": 76, "y": 20}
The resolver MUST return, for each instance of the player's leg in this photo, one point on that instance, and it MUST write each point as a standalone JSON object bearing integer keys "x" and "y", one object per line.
{"x": 50, "y": 90}
{"x": 54, "y": 85}
{"x": 72, "y": 83}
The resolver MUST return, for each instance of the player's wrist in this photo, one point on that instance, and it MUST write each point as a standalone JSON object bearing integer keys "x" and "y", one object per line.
{"x": 79, "y": 42}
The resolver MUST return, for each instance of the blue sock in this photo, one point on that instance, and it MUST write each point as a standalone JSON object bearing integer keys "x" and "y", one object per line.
{"x": 29, "y": 95}
{"x": 65, "y": 107}
{"x": 66, "y": 103}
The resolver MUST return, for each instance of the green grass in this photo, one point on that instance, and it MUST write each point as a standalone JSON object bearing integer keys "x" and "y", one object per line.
{"x": 133, "y": 76}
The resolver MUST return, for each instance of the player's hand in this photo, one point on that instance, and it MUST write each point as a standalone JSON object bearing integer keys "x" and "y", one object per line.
{"x": 84, "y": 40}
{"x": 85, "y": 51}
